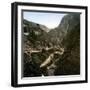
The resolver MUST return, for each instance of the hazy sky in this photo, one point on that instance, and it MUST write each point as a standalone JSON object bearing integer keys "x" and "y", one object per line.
{"x": 51, "y": 20}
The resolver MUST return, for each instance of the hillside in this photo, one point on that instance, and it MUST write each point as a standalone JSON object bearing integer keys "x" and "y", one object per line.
{"x": 52, "y": 52}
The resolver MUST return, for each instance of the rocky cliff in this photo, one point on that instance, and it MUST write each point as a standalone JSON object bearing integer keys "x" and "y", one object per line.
{"x": 52, "y": 52}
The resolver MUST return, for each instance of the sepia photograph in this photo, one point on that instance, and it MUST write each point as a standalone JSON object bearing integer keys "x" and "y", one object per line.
{"x": 51, "y": 43}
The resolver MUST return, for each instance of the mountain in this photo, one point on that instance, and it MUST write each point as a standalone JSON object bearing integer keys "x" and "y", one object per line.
{"x": 34, "y": 33}
{"x": 52, "y": 52}
{"x": 70, "y": 60}
{"x": 33, "y": 26}
{"x": 68, "y": 22}
{"x": 34, "y": 37}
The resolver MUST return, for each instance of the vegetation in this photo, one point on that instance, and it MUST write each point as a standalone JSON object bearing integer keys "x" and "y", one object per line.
{"x": 56, "y": 52}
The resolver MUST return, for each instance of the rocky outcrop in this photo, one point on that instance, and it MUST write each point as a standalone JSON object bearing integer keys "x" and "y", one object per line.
{"x": 52, "y": 52}
{"x": 69, "y": 63}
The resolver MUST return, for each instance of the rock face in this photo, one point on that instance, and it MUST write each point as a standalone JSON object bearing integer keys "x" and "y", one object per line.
{"x": 70, "y": 60}
{"x": 68, "y": 22}
{"x": 52, "y": 52}
{"x": 69, "y": 63}
{"x": 34, "y": 37}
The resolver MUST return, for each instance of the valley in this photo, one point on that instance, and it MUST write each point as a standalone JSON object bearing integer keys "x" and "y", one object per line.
{"x": 52, "y": 52}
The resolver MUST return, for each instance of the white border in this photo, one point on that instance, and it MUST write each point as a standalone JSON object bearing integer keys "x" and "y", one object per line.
{"x": 82, "y": 49}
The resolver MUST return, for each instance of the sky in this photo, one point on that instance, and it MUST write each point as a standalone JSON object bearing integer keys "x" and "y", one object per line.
{"x": 51, "y": 20}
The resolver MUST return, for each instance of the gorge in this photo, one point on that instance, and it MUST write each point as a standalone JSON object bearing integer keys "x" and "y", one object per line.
{"x": 52, "y": 52}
